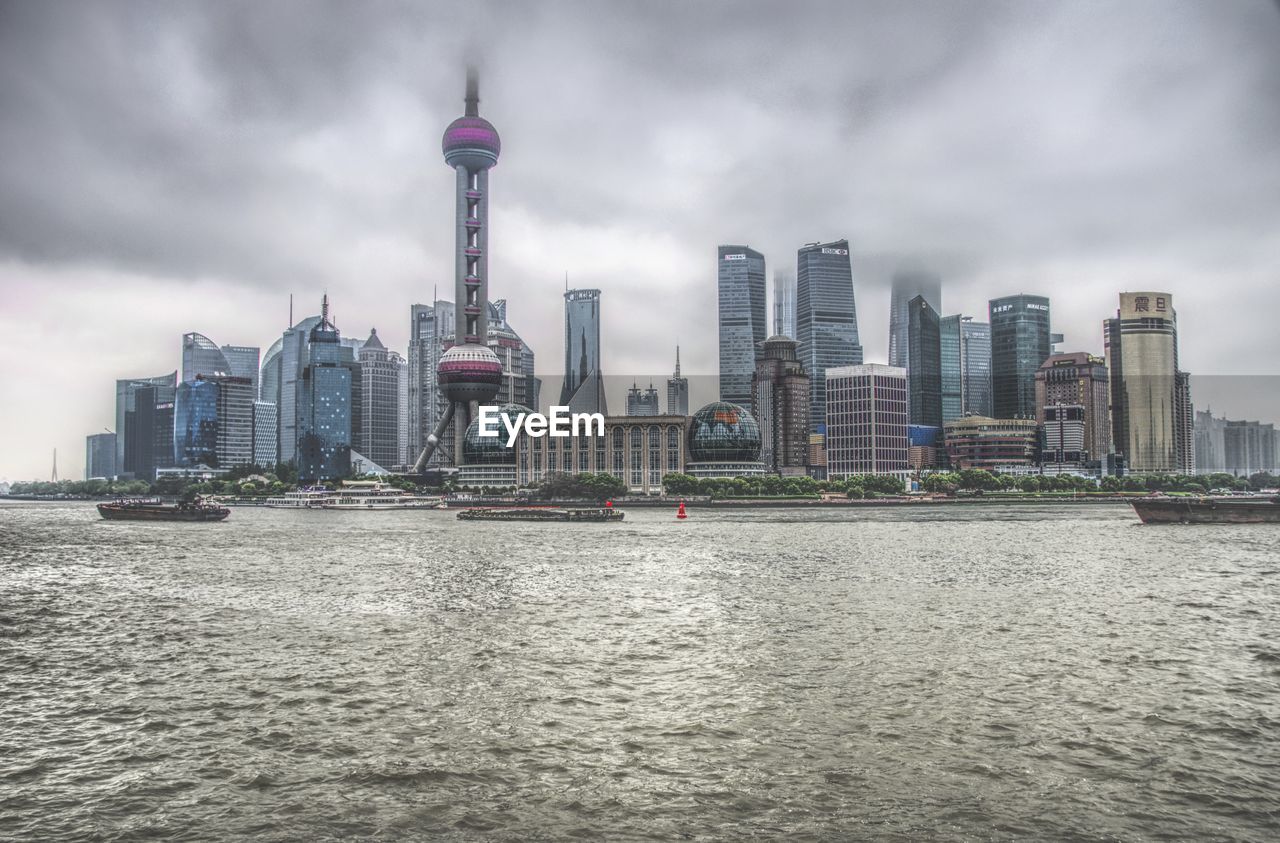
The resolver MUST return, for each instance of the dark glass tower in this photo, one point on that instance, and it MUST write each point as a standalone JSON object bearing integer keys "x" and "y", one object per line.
{"x": 583, "y": 387}
{"x": 975, "y": 367}
{"x": 924, "y": 376}
{"x": 906, "y": 286}
{"x": 949, "y": 338}
{"x": 826, "y": 318}
{"x": 743, "y": 313}
{"x": 1020, "y": 343}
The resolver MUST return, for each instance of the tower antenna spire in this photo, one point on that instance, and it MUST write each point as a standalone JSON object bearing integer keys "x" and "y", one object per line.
{"x": 473, "y": 92}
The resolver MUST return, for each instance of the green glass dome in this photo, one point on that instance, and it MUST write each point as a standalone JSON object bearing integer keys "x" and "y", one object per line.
{"x": 723, "y": 432}
{"x": 491, "y": 450}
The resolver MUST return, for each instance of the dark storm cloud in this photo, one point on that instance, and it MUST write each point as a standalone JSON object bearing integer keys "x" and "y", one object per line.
{"x": 254, "y": 149}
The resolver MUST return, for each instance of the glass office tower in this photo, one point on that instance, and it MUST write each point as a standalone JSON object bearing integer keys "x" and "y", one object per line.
{"x": 924, "y": 375}
{"x": 906, "y": 286}
{"x": 1020, "y": 343}
{"x": 826, "y": 318}
{"x": 949, "y": 345}
{"x": 583, "y": 387}
{"x": 742, "y": 317}
{"x": 975, "y": 367}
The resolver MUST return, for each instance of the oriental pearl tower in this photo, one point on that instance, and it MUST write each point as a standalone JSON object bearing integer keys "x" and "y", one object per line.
{"x": 468, "y": 372}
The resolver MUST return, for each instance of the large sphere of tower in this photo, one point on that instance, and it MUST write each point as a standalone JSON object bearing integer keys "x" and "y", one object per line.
{"x": 472, "y": 142}
{"x": 469, "y": 373}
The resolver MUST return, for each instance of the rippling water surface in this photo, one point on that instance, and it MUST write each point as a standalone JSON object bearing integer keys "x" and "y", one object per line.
{"x": 981, "y": 672}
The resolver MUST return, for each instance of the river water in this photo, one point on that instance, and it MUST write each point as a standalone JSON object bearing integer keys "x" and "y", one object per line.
{"x": 982, "y": 672}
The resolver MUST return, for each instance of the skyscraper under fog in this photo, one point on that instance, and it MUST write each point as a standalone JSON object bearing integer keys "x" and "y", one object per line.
{"x": 924, "y": 374}
{"x": 906, "y": 286}
{"x": 743, "y": 318}
{"x": 826, "y": 318}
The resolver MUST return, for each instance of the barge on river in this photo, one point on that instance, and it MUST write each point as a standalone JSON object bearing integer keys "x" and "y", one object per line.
{"x": 595, "y": 514}
{"x": 1207, "y": 510}
{"x": 153, "y": 510}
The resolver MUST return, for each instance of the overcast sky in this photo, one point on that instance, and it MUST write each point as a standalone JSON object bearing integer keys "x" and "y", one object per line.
{"x": 169, "y": 167}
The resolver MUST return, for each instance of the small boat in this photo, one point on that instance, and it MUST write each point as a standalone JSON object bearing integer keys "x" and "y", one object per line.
{"x": 154, "y": 510}
{"x": 600, "y": 514}
{"x": 1162, "y": 510}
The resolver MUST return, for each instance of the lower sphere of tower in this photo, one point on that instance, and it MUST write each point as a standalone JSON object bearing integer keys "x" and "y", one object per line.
{"x": 469, "y": 373}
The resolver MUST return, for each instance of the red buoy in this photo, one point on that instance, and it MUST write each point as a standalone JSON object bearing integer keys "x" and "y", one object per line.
{"x": 680, "y": 513}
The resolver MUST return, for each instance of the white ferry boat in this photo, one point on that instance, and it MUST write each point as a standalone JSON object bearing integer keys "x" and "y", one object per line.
{"x": 374, "y": 495}
{"x": 311, "y": 498}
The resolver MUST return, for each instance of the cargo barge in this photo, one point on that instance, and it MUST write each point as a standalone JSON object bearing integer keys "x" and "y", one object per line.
{"x": 595, "y": 514}
{"x": 1207, "y": 510}
{"x": 153, "y": 510}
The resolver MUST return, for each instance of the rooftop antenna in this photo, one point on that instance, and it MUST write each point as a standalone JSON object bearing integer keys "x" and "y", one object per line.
{"x": 473, "y": 93}
{"x": 291, "y": 310}
{"x": 566, "y": 280}
{"x": 55, "y": 465}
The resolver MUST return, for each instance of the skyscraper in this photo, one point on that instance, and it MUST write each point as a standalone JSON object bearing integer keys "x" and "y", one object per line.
{"x": 975, "y": 367}
{"x": 430, "y": 333}
{"x": 327, "y": 406}
{"x": 235, "y": 421}
{"x": 1148, "y": 396}
{"x": 583, "y": 387}
{"x": 826, "y": 318}
{"x": 924, "y": 372}
{"x": 906, "y": 286}
{"x": 1077, "y": 379}
{"x": 144, "y": 425}
{"x": 784, "y": 304}
{"x": 265, "y": 432}
{"x": 780, "y": 404}
{"x": 951, "y": 356}
{"x": 381, "y": 371}
{"x": 1020, "y": 342}
{"x": 742, "y": 319}
{"x": 677, "y": 391}
{"x": 642, "y": 402}
{"x": 469, "y": 372}
{"x": 100, "y": 456}
{"x": 866, "y": 420}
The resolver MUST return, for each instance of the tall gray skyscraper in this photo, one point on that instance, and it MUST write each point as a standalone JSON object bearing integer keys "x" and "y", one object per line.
{"x": 784, "y": 304}
{"x": 677, "y": 391}
{"x": 1020, "y": 343}
{"x": 100, "y": 456}
{"x": 381, "y": 371}
{"x": 949, "y": 343}
{"x": 975, "y": 368}
{"x": 826, "y": 318}
{"x": 924, "y": 375}
{"x": 583, "y": 387}
{"x": 430, "y": 329}
{"x": 906, "y": 286}
{"x": 743, "y": 319}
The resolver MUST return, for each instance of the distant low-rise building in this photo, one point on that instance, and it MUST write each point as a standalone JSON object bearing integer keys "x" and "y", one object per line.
{"x": 638, "y": 450}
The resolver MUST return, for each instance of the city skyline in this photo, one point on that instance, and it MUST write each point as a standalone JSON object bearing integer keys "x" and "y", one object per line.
{"x": 86, "y": 274}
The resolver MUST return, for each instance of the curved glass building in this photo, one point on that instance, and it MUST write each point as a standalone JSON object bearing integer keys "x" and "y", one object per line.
{"x": 723, "y": 441}
{"x": 202, "y": 356}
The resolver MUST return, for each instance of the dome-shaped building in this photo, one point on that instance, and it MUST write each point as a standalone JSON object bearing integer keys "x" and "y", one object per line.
{"x": 486, "y": 460}
{"x": 723, "y": 441}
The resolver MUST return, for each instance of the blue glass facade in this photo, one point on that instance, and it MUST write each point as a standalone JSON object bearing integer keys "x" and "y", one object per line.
{"x": 742, "y": 311}
{"x": 195, "y": 424}
{"x": 826, "y": 318}
{"x": 949, "y": 333}
{"x": 327, "y": 389}
{"x": 1020, "y": 343}
{"x": 924, "y": 374}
